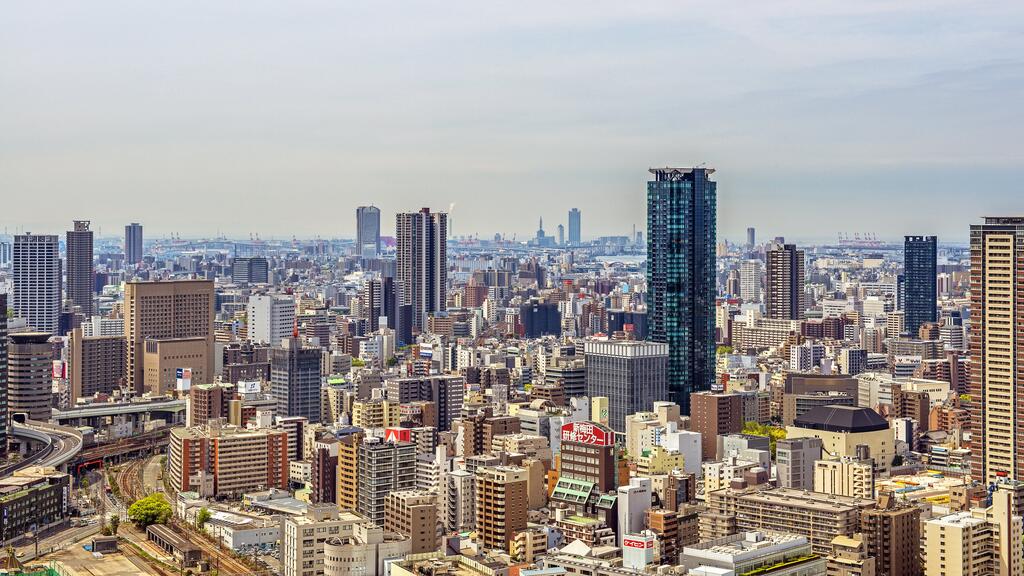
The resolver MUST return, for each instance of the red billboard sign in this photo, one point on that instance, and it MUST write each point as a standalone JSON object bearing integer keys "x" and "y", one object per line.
{"x": 588, "y": 433}
{"x": 397, "y": 435}
{"x": 632, "y": 543}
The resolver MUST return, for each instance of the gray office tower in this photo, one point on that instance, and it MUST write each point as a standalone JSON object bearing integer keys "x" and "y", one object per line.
{"x": 681, "y": 275}
{"x": 37, "y": 275}
{"x": 368, "y": 231}
{"x": 574, "y": 227}
{"x": 132, "y": 244}
{"x": 295, "y": 379}
{"x": 919, "y": 278}
{"x": 5, "y": 421}
{"x": 251, "y": 270}
{"x": 80, "y": 271}
{"x": 751, "y": 237}
{"x": 421, "y": 274}
{"x": 630, "y": 373}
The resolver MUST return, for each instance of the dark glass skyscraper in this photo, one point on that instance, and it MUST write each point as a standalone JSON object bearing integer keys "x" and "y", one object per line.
{"x": 681, "y": 212}
{"x": 132, "y": 245}
{"x": 79, "y": 269}
{"x": 919, "y": 277}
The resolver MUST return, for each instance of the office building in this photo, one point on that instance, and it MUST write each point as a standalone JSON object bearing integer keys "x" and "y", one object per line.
{"x": 422, "y": 263}
{"x": 368, "y": 231}
{"x": 96, "y": 364}
{"x": 79, "y": 268}
{"x": 997, "y": 349}
{"x": 36, "y": 281}
{"x": 384, "y": 467}
{"x": 588, "y": 454}
{"x": 295, "y": 379}
{"x": 712, "y": 415}
{"x": 216, "y": 460}
{"x": 413, "y": 513}
{"x": 795, "y": 458}
{"x": 251, "y": 270}
{"x": 132, "y": 245}
{"x": 178, "y": 313}
{"x": 270, "y": 318}
{"x": 919, "y": 281}
{"x": 784, "y": 286}
{"x": 574, "y": 227}
{"x": 631, "y": 374}
{"x": 751, "y": 237}
{"x": 29, "y": 375}
{"x": 328, "y": 541}
{"x": 773, "y": 554}
{"x": 500, "y": 505}
{"x": 35, "y": 499}
{"x": 847, "y": 431}
{"x": 681, "y": 276}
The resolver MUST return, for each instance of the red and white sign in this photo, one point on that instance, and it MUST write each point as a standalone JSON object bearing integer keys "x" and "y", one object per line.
{"x": 397, "y": 435}
{"x": 631, "y": 543}
{"x": 588, "y": 433}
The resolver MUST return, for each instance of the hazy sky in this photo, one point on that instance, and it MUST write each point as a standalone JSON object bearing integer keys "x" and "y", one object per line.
{"x": 281, "y": 117}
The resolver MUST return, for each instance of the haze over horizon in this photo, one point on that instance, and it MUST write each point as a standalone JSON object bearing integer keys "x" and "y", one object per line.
{"x": 819, "y": 117}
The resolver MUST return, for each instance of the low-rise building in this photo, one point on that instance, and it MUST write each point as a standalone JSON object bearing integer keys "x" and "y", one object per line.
{"x": 327, "y": 541}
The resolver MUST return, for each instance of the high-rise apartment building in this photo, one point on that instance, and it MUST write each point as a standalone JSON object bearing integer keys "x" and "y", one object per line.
{"x": 36, "y": 275}
{"x": 784, "y": 287}
{"x": 217, "y": 460}
{"x": 574, "y": 227}
{"x": 751, "y": 237}
{"x": 5, "y": 420}
{"x": 997, "y": 349}
{"x": 176, "y": 316}
{"x": 368, "y": 231}
{"x": 295, "y": 379}
{"x": 445, "y": 391}
{"x": 384, "y": 467}
{"x": 79, "y": 268}
{"x": 681, "y": 276}
{"x": 500, "y": 505}
{"x": 132, "y": 245}
{"x": 892, "y": 533}
{"x": 270, "y": 318}
{"x": 96, "y": 364}
{"x": 920, "y": 255}
{"x": 29, "y": 374}
{"x": 750, "y": 281}
{"x": 422, "y": 263}
{"x": 414, "y": 514}
{"x": 631, "y": 374}
{"x": 714, "y": 414}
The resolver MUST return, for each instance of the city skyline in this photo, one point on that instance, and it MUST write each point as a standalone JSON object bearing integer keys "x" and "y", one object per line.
{"x": 801, "y": 107}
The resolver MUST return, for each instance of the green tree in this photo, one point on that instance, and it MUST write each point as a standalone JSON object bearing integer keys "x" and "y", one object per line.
{"x": 152, "y": 509}
{"x": 774, "y": 433}
{"x": 392, "y": 361}
{"x": 115, "y": 522}
{"x": 357, "y": 362}
{"x": 203, "y": 517}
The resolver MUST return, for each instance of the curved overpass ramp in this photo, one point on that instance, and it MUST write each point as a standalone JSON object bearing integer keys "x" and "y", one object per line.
{"x": 60, "y": 444}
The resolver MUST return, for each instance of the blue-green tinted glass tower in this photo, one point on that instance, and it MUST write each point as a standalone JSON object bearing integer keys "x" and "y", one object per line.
{"x": 919, "y": 279}
{"x": 681, "y": 276}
